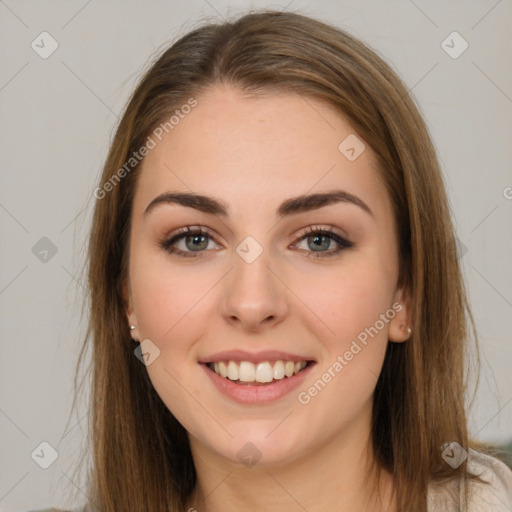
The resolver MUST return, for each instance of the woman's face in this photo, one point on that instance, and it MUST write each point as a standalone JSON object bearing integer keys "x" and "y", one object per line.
{"x": 264, "y": 287}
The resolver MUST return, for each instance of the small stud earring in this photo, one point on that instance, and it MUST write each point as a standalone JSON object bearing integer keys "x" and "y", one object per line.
{"x": 132, "y": 327}
{"x": 409, "y": 331}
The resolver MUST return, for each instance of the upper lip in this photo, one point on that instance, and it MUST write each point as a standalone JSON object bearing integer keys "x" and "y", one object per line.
{"x": 254, "y": 357}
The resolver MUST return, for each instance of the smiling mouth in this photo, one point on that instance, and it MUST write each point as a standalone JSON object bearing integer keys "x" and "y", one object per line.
{"x": 259, "y": 374}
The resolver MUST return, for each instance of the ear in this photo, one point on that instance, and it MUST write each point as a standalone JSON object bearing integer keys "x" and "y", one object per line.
{"x": 402, "y": 321}
{"x": 130, "y": 314}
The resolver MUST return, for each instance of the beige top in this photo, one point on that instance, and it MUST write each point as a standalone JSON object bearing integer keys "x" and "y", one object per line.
{"x": 493, "y": 497}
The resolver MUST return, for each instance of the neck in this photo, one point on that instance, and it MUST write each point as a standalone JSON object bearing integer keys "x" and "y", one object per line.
{"x": 335, "y": 475}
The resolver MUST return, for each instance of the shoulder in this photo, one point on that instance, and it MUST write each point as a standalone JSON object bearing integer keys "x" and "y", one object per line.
{"x": 495, "y": 496}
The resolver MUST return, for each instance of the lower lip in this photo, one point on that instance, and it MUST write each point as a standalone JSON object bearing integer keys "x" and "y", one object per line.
{"x": 257, "y": 394}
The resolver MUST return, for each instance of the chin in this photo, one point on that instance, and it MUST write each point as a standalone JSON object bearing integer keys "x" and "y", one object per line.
{"x": 262, "y": 447}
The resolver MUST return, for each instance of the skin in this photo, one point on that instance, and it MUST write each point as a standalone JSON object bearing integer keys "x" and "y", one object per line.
{"x": 253, "y": 154}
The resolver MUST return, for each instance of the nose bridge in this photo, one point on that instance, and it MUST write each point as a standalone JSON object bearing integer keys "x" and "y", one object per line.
{"x": 251, "y": 276}
{"x": 253, "y": 293}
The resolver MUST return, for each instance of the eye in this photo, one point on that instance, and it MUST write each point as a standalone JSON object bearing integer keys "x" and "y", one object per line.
{"x": 195, "y": 241}
{"x": 320, "y": 238}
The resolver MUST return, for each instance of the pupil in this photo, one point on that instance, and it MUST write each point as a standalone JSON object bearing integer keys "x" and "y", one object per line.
{"x": 195, "y": 238}
{"x": 316, "y": 237}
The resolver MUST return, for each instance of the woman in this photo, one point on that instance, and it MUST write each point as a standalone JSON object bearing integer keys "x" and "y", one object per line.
{"x": 277, "y": 313}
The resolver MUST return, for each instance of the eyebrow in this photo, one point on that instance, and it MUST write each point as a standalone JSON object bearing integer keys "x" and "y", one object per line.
{"x": 291, "y": 206}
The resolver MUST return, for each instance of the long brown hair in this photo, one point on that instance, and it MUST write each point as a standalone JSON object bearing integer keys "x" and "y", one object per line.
{"x": 141, "y": 455}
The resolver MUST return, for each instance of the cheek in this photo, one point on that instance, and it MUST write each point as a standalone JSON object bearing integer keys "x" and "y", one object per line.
{"x": 351, "y": 320}
{"x": 165, "y": 296}
{"x": 343, "y": 302}
{"x": 169, "y": 306}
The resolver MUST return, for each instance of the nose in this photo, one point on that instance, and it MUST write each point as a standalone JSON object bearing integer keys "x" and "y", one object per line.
{"x": 254, "y": 297}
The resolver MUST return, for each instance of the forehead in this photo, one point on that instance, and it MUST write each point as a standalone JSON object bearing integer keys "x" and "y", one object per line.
{"x": 252, "y": 151}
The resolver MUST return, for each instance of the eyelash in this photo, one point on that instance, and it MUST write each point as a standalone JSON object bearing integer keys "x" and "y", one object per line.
{"x": 167, "y": 243}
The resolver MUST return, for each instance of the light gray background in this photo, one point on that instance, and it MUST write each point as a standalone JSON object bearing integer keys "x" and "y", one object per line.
{"x": 58, "y": 115}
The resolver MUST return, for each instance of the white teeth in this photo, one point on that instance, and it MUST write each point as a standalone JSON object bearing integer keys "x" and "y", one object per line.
{"x": 263, "y": 372}
{"x": 232, "y": 371}
{"x": 223, "y": 369}
{"x": 246, "y": 372}
{"x": 279, "y": 370}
